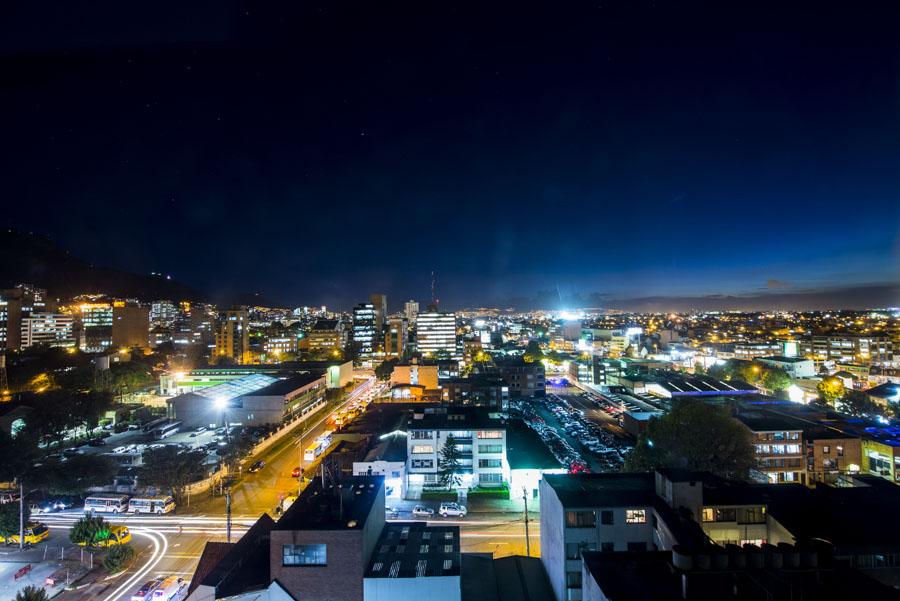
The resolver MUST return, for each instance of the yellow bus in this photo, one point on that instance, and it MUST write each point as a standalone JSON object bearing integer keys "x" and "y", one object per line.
{"x": 115, "y": 535}
{"x": 35, "y": 532}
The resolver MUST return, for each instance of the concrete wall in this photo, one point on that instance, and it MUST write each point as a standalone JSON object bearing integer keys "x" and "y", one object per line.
{"x": 432, "y": 588}
{"x": 341, "y": 579}
{"x": 553, "y": 540}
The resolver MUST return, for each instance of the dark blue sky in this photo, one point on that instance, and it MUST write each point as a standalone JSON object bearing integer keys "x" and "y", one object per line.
{"x": 318, "y": 153}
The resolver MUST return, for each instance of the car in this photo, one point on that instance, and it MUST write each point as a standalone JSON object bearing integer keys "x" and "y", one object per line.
{"x": 133, "y": 427}
{"x": 295, "y": 473}
{"x": 146, "y": 591}
{"x": 256, "y": 466}
{"x": 452, "y": 509}
{"x": 422, "y": 512}
{"x": 96, "y": 442}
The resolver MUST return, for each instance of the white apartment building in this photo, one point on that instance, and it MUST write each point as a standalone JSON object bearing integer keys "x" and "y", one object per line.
{"x": 480, "y": 437}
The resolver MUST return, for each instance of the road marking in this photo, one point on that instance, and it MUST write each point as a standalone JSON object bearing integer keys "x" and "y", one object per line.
{"x": 159, "y": 542}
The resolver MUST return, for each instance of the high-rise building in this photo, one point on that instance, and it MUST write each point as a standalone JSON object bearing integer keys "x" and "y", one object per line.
{"x": 436, "y": 334}
{"x": 233, "y": 335}
{"x": 379, "y": 301}
{"x": 395, "y": 338}
{"x": 96, "y": 327}
{"x": 163, "y": 314}
{"x": 15, "y": 305}
{"x": 131, "y": 325}
{"x": 49, "y": 329}
{"x": 411, "y": 310}
{"x": 365, "y": 336}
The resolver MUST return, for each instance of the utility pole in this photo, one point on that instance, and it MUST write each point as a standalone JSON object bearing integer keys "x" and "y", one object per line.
{"x": 527, "y": 538}
{"x": 21, "y": 515}
{"x": 228, "y": 514}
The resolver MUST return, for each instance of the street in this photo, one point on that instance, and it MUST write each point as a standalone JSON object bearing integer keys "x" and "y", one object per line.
{"x": 172, "y": 544}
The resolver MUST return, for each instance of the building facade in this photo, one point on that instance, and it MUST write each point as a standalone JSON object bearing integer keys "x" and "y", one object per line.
{"x": 233, "y": 336}
{"x": 436, "y": 334}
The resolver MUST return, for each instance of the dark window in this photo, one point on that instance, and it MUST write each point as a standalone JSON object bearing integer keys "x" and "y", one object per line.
{"x": 637, "y": 546}
{"x": 580, "y": 519}
{"x": 573, "y": 579}
{"x": 303, "y": 555}
{"x": 606, "y": 517}
{"x": 607, "y": 547}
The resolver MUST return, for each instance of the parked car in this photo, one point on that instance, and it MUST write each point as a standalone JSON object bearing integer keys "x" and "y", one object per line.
{"x": 422, "y": 511}
{"x": 452, "y": 509}
{"x": 295, "y": 473}
{"x": 256, "y": 466}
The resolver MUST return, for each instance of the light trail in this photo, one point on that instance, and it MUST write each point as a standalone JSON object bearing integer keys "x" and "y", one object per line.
{"x": 160, "y": 547}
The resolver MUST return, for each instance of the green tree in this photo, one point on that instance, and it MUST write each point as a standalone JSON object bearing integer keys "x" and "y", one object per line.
{"x": 18, "y": 452}
{"x": 385, "y": 368}
{"x": 533, "y": 352}
{"x": 831, "y": 390}
{"x": 9, "y": 518}
{"x": 698, "y": 368}
{"x": 776, "y": 379}
{"x": 857, "y": 402}
{"x": 448, "y": 463}
{"x": 117, "y": 558}
{"x": 89, "y": 530}
{"x": 171, "y": 468}
{"x": 130, "y": 376}
{"x": 32, "y": 593}
{"x": 74, "y": 475}
{"x": 694, "y": 436}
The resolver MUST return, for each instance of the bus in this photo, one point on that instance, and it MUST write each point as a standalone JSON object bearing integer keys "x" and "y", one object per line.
{"x": 325, "y": 437}
{"x": 166, "y": 430}
{"x": 114, "y": 535}
{"x": 314, "y": 450}
{"x": 153, "y": 424}
{"x": 106, "y": 504}
{"x": 158, "y": 505}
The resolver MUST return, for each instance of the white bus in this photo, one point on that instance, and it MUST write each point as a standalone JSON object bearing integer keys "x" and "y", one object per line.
{"x": 314, "y": 450}
{"x": 106, "y": 504}
{"x": 157, "y": 505}
{"x": 166, "y": 430}
{"x": 325, "y": 437}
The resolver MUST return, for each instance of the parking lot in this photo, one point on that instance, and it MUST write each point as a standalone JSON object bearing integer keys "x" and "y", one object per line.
{"x": 577, "y": 437}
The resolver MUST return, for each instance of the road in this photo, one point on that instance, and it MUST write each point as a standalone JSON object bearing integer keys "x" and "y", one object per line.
{"x": 172, "y": 544}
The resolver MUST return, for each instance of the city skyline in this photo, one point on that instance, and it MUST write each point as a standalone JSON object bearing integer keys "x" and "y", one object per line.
{"x": 591, "y": 150}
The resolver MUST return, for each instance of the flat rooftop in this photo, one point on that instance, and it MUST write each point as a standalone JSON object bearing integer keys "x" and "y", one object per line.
{"x": 603, "y": 490}
{"x": 415, "y": 550}
{"x": 286, "y": 386}
{"x": 344, "y": 505}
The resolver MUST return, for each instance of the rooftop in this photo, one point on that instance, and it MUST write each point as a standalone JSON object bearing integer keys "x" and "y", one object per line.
{"x": 603, "y": 490}
{"x": 415, "y": 550}
{"x": 441, "y": 417}
{"x": 237, "y": 387}
{"x": 346, "y": 504}
{"x": 783, "y": 359}
{"x": 286, "y": 386}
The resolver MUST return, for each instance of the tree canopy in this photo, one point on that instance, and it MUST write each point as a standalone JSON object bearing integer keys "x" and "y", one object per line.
{"x": 448, "y": 463}
{"x": 695, "y": 436}
{"x": 9, "y": 518}
{"x": 831, "y": 390}
{"x": 172, "y": 468}
{"x": 533, "y": 352}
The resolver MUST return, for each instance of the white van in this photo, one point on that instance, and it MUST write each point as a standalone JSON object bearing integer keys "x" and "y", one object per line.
{"x": 106, "y": 504}
{"x": 171, "y": 589}
{"x": 156, "y": 505}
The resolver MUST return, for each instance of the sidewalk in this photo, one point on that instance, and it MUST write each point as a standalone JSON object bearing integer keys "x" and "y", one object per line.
{"x": 19, "y": 569}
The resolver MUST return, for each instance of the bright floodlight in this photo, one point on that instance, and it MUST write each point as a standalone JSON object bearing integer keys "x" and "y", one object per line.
{"x": 220, "y": 402}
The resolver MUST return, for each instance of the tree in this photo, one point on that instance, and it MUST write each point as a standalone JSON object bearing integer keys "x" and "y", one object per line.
{"x": 89, "y": 530}
{"x": 857, "y": 402}
{"x": 698, "y": 368}
{"x": 830, "y": 390}
{"x": 237, "y": 449}
{"x": 448, "y": 463}
{"x": 172, "y": 468}
{"x": 130, "y": 376}
{"x": 776, "y": 379}
{"x": 32, "y": 593}
{"x": 117, "y": 557}
{"x": 385, "y": 369}
{"x": 695, "y": 436}
{"x": 18, "y": 452}
{"x": 533, "y": 352}
{"x": 9, "y": 518}
{"x": 74, "y": 475}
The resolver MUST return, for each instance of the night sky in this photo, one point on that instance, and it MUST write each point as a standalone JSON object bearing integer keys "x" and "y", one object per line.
{"x": 317, "y": 153}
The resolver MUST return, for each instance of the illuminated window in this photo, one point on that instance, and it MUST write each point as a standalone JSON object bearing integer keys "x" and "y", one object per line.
{"x": 635, "y": 516}
{"x": 303, "y": 555}
{"x": 490, "y": 434}
{"x": 421, "y": 449}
